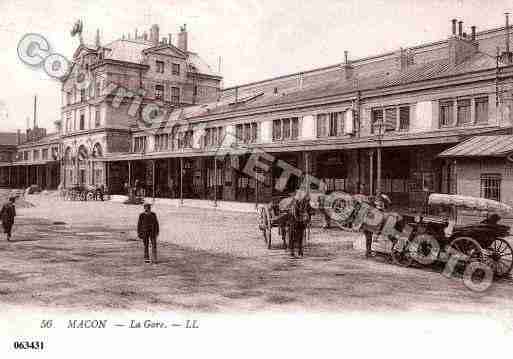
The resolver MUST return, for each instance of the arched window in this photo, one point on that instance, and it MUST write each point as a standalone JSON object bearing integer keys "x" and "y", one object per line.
{"x": 97, "y": 150}
{"x": 82, "y": 153}
{"x": 67, "y": 156}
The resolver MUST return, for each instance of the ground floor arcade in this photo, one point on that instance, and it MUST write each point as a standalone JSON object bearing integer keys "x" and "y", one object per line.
{"x": 45, "y": 175}
{"x": 407, "y": 174}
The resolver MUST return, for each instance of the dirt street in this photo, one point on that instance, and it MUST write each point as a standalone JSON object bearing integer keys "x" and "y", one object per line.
{"x": 76, "y": 255}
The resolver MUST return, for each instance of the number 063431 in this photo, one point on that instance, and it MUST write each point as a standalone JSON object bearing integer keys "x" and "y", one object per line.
{"x": 29, "y": 345}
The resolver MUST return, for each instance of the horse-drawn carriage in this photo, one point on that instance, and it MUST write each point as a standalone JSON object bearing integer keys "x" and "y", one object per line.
{"x": 423, "y": 238}
{"x": 336, "y": 207}
{"x": 278, "y": 214}
{"x": 82, "y": 193}
{"x": 436, "y": 235}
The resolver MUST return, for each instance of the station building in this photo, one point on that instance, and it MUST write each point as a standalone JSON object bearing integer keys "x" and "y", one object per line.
{"x": 156, "y": 113}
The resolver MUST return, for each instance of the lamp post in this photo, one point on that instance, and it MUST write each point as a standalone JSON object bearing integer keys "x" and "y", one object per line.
{"x": 215, "y": 180}
{"x": 181, "y": 181}
{"x": 378, "y": 157}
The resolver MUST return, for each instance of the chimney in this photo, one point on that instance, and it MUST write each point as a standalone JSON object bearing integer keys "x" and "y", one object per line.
{"x": 18, "y": 137}
{"x": 170, "y": 39}
{"x": 300, "y": 80}
{"x": 473, "y": 33}
{"x": 97, "y": 38}
{"x": 145, "y": 36}
{"x": 404, "y": 59}
{"x": 507, "y": 57}
{"x": 454, "y": 21}
{"x": 182, "y": 38}
{"x": 164, "y": 41}
{"x": 35, "y": 111}
{"x": 507, "y": 32}
{"x": 154, "y": 34}
{"x": 461, "y": 47}
{"x": 346, "y": 67}
{"x": 136, "y": 37}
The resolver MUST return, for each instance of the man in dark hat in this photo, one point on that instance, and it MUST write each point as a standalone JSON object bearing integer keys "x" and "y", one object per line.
{"x": 7, "y": 214}
{"x": 148, "y": 230}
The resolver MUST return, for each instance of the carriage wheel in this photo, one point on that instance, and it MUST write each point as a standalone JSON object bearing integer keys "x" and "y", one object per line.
{"x": 264, "y": 223}
{"x": 339, "y": 206}
{"x": 499, "y": 256}
{"x": 403, "y": 256}
{"x": 90, "y": 196}
{"x": 469, "y": 248}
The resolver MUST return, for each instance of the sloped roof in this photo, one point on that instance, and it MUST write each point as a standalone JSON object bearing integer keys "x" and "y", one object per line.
{"x": 482, "y": 146}
{"x": 127, "y": 50}
{"x": 132, "y": 51}
{"x": 367, "y": 81}
{"x": 201, "y": 66}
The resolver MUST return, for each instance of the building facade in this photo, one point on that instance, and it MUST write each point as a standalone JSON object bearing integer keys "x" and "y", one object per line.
{"x": 156, "y": 114}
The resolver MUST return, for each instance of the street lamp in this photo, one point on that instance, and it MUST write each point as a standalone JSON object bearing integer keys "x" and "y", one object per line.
{"x": 378, "y": 155}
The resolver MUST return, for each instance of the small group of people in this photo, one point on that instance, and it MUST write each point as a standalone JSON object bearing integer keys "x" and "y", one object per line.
{"x": 7, "y": 214}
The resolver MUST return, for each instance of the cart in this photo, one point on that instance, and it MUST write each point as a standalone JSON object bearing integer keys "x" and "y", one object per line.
{"x": 484, "y": 241}
{"x": 276, "y": 214}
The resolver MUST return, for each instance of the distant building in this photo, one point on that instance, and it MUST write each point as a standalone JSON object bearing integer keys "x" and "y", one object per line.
{"x": 8, "y": 142}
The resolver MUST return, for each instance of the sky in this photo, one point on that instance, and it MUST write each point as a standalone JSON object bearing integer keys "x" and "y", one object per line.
{"x": 256, "y": 39}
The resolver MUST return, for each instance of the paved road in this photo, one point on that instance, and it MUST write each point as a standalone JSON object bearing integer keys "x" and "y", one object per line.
{"x": 211, "y": 261}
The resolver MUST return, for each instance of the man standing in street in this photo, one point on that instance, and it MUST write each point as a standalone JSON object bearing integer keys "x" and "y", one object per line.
{"x": 148, "y": 230}
{"x": 7, "y": 214}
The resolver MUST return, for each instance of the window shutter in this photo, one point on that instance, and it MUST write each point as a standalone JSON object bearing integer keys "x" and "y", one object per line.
{"x": 340, "y": 123}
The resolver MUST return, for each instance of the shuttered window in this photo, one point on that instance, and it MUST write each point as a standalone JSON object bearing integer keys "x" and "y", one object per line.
{"x": 286, "y": 129}
{"x": 482, "y": 110}
{"x": 277, "y": 130}
{"x": 322, "y": 130}
{"x": 376, "y": 120}
{"x": 390, "y": 119}
{"x": 491, "y": 186}
{"x": 404, "y": 118}
{"x": 295, "y": 127}
{"x": 464, "y": 112}
{"x": 446, "y": 113}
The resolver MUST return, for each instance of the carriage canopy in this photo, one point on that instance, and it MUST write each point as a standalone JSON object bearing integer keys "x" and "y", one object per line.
{"x": 468, "y": 202}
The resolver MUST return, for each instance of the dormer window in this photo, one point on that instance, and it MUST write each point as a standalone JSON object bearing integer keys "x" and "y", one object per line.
{"x": 159, "y": 92}
{"x": 176, "y": 69}
{"x": 160, "y": 66}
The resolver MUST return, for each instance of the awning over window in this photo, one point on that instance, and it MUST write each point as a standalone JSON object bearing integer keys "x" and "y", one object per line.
{"x": 482, "y": 146}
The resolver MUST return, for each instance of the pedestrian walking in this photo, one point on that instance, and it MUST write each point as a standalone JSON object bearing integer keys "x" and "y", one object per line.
{"x": 7, "y": 214}
{"x": 148, "y": 231}
{"x": 101, "y": 192}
